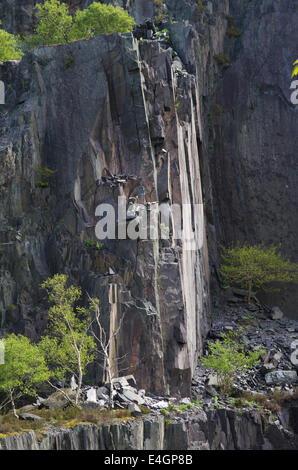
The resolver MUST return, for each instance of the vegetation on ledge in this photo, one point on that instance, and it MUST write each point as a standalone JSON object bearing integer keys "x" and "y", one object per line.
{"x": 256, "y": 266}
{"x": 61, "y": 418}
{"x": 57, "y": 26}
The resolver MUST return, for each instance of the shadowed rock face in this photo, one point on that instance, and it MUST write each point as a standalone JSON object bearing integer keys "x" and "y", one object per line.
{"x": 84, "y": 109}
{"x": 249, "y": 138}
{"x": 254, "y": 162}
{"x": 17, "y": 17}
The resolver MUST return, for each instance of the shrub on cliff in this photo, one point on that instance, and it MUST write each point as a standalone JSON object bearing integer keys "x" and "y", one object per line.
{"x": 54, "y": 24}
{"x": 101, "y": 19}
{"x": 227, "y": 358}
{"x": 22, "y": 370}
{"x": 9, "y": 47}
{"x": 256, "y": 266}
{"x": 57, "y": 26}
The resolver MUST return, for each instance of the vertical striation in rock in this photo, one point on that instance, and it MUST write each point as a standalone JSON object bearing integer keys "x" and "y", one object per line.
{"x": 211, "y": 430}
{"x": 114, "y": 108}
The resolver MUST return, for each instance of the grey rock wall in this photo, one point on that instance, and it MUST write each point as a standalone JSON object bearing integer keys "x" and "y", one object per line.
{"x": 83, "y": 109}
{"x": 211, "y": 430}
{"x": 254, "y": 158}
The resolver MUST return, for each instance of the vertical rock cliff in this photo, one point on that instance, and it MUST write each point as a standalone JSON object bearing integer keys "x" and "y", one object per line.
{"x": 206, "y": 121}
{"x": 112, "y": 111}
{"x": 254, "y": 138}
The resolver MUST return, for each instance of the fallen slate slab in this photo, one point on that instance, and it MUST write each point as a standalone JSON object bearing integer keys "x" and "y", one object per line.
{"x": 30, "y": 417}
{"x": 280, "y": 377}
{"x": 130, "y": 396}
{"x": 160, "y": 405}
{"x": 58, "y": 399}
{"x": 276, "y": 313}
{"x": 134, "y": 409}
{"x": 102, "y": 393}
{"x": 213, "y": 380}
{"x": 92, "y": 395}
{"x": 121, "y": 381}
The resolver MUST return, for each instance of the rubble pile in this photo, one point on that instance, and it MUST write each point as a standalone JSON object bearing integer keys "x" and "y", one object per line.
{"x": 261, "y": 327}
{"x": 125, "y": 395}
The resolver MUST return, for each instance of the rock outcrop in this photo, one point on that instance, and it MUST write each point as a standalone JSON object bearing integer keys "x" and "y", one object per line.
{"x": 83, "y": 110}
{"x": 211, "y": 430}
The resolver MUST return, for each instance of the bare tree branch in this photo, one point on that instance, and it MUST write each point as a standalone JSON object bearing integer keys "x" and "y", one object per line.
{"x": 104, "y": 343}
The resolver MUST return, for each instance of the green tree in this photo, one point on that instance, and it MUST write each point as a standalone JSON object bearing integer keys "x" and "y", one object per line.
{"x": 54, "y": 24}
{"x": 101, "y": 19}
{"x": 57, "y": 26}
{"x": 67, "y": 346}
{"x": 256, "y": 266}
{"x": 23, "y": 369}
{"x": 9, "y": 47}
{"x": 228, "y": 357}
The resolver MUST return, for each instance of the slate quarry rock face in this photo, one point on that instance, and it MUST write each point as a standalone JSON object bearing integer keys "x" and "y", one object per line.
{"x": 183, "y": 128}
{"x": 110, "y": 109}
